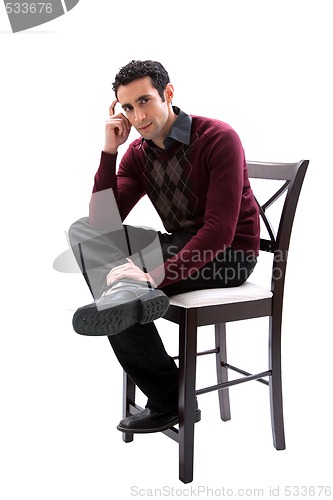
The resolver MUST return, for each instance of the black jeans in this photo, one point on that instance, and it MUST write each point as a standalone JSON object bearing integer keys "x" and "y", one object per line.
{"x": 139, "y": 349}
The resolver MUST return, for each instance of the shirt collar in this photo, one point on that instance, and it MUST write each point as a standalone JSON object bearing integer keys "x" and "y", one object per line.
{"x": 180, "y": 130}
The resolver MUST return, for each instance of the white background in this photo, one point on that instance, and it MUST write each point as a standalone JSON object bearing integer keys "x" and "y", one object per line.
{"x": 265, "y": 68}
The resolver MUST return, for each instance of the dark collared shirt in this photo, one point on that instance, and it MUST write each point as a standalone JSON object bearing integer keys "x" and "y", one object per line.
{"x": 180, "y": 131}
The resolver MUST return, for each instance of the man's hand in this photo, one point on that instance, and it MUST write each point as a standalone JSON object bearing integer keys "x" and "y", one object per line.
{"x": 128, "y": 270}
{"x": 117, "y": 129}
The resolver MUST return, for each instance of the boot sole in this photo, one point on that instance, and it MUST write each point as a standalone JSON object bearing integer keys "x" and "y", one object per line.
{"x": 160, "y": 428}
{"x": 89, "y": 320}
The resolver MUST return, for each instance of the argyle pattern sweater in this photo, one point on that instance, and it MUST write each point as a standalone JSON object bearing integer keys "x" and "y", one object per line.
{"x": 202, "y": 187}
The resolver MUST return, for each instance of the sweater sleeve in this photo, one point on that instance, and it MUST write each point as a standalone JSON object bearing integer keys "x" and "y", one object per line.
{"x": 123, "y": 187}
{"x": 225, "y": 163}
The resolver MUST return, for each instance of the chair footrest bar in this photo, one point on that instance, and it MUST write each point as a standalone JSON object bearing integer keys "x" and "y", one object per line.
{"x": 133, "y": 409}
{"x": 230, "y": 383}
{"x": 172, "y": 433}
{"x": 202, "y": 353}
{"x": 243, "y": 372}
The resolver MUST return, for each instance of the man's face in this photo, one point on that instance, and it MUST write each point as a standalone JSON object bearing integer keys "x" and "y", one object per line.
{"x": 145, "y": 109}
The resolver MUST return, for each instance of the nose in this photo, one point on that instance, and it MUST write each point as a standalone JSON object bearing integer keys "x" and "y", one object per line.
{"x": 139, "y": 115}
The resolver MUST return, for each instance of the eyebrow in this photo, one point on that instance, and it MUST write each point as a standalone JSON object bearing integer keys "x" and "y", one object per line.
{"x": 141, "y": 98}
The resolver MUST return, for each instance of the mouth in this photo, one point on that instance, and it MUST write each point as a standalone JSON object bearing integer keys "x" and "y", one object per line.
{"x": 144, "y": 127}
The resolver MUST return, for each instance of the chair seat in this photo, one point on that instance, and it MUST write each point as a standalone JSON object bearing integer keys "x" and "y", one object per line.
{"x": 215, "y": 296}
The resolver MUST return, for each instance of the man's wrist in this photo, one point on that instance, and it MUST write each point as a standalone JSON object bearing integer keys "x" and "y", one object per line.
{"x": 110, "y": 151}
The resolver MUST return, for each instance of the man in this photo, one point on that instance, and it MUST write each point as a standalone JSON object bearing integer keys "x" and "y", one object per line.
{"x": 193, "y": 169}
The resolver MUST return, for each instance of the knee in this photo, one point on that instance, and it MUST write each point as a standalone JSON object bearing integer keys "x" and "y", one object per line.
{"x": 79, "y": 224}
{"x": 78, "y": 229}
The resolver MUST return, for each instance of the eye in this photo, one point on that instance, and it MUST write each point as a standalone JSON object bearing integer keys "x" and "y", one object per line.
{"x": 127, "y": 109}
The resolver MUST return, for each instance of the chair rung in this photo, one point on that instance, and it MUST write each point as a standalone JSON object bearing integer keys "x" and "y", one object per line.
{"x": 202, "y": 353}
{"x": 134, "y": 408}
{"x": 243, "y": 372}
{"x": 172, "y": 433}
{"x": 224, "y": 385}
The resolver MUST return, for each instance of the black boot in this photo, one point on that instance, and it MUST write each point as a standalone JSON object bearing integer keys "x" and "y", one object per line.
{"x": 121, "y": 305}
{"x": 148, "y": 420}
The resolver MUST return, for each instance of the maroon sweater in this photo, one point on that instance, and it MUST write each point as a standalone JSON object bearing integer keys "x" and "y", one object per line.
{"x": 206, "y": 192}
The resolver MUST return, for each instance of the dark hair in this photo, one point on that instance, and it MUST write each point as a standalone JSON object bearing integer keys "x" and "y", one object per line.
{"x": 139, "y": 69}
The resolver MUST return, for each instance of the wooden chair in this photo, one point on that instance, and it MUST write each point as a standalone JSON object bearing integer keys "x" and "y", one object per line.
{"x": 220, "y": 306}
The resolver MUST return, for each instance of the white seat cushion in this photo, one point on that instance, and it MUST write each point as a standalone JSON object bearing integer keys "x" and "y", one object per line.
{"x": 215, "y": 296}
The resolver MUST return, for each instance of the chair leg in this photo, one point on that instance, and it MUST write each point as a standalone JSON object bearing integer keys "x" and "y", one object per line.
{"x": 221, "y": 371}
{"x": 275, "y": 384}
{"x": 186, "y": 403}
{"x": 128, "y": 399}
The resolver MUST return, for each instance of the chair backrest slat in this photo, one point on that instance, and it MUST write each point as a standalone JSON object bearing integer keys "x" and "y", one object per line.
{"x": 277, "y": 171}
{"x": 293, "y": 174}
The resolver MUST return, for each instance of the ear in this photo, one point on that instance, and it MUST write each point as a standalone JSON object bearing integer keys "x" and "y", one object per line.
{"x": 169, "y": 92}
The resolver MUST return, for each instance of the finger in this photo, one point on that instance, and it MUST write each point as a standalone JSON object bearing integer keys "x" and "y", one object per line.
{"x": 118, "y": 268}
{"x": 112, "y": 108}
{"x": 118, "y": 122}
{"x": 117, "y": 276}
{"x": 117, "y": 126}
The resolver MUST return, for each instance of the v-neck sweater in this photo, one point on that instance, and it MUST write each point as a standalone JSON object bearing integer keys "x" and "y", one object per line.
{"x": 201, "y": 187}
